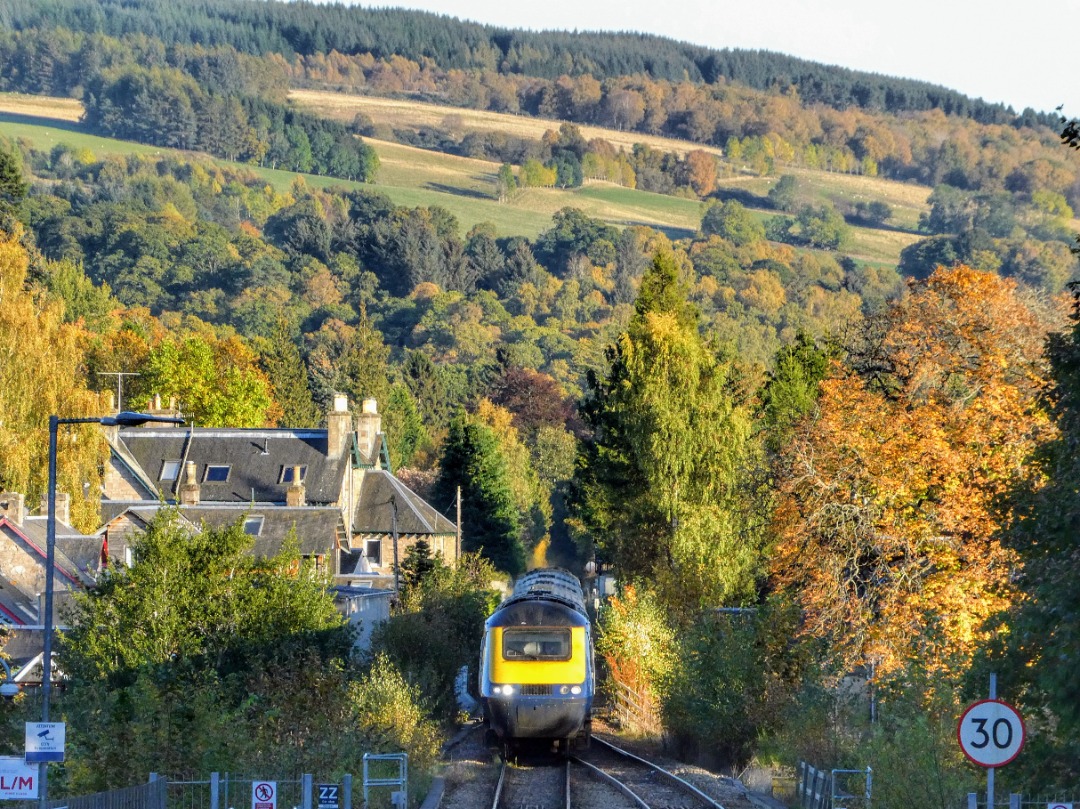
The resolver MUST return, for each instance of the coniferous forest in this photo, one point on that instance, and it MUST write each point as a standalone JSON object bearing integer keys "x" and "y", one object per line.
{"x": 873, "y": 458}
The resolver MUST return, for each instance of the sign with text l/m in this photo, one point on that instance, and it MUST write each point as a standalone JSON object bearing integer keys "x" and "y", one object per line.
{"x": 264, "y": 795}
{"x": 1059, "y": 806}
{"x": 18, "y": 780}
{"x": 44, "y": 742}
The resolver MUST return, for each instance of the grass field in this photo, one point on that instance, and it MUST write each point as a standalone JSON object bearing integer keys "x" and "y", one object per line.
{"x": 466, "y": 187}
{"x": 399, "y": 113}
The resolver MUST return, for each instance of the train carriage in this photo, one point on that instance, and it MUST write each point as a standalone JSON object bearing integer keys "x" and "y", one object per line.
{"x": 536, "y": 663}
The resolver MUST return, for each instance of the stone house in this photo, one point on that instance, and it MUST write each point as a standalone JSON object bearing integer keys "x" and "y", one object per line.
{"x": 275, "y": 479}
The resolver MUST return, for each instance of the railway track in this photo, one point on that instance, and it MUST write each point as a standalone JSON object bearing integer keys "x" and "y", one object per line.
{"x": 646, "y": 785}
{"x": 606, "y": 777}
{"x": 539, "y": 787}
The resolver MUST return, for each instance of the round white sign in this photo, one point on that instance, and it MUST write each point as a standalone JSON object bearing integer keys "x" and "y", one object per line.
{"x": 991, "y": 733}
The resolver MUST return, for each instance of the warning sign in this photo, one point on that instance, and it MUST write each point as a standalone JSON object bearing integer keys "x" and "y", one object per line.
{"x": 264, "y": 795}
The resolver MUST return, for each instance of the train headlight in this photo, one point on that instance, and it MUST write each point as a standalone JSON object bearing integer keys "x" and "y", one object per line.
{"x": 564, "y": 689}
{"x": 575, "y": 690}
{"x": 505, "y": 690}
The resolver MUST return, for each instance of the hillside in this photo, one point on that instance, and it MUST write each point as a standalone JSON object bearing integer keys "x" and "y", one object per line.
{"x": 466, "y": 187}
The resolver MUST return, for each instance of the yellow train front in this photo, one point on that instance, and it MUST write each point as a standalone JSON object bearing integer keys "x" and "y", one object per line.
{"x": 536, "y": 663}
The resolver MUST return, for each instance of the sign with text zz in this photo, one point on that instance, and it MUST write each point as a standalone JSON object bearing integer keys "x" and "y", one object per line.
{"x": 328, "y": 796}
{"x": 991, "y": 733}
{"x": 264, "y": 795}
{"x": 18, "y": 780}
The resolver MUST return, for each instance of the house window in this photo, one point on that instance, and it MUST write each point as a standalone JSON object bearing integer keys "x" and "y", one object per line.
{"x": 288, "y": 471}
{"x": 216, "y": 473}
{"x": 253, "y": 525}
{"x": 373, "y": 551}
{"x": 170, "y": 470}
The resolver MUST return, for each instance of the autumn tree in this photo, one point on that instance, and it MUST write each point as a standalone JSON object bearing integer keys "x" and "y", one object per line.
{"x": 216, "y": 381}
{"x": 662, "y": 484}
{"x": 42, "y": 374}
{"x": 886, "y": 521}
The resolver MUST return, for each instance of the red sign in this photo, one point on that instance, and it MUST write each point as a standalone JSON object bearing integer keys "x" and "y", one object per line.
{"x": 264, "y": 795}
{"x": 991, "y": 733}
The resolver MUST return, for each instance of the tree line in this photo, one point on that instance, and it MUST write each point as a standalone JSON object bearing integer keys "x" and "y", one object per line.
{"x": 758, "y": 131}
{"x": 287, "y": 28}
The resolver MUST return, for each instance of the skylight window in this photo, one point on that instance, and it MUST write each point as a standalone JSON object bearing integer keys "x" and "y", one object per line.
{"x": 170, "y": 470}
{"x": 253, "y": 525}
{"x": 216, "y": 473}
{"x": 287, "y": 473}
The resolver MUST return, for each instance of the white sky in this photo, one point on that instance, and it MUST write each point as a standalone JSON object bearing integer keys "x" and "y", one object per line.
{"x": 1019, "y": 52}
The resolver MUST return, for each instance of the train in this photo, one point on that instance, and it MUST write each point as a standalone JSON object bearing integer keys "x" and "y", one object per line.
{"x": 536, "y": 670}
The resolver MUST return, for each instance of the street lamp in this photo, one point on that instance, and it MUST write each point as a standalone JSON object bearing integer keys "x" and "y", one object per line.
{"x": 124, "y": 419}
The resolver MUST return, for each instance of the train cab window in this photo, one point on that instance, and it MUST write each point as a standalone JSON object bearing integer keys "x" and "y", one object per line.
{"x": 536, "y": 644}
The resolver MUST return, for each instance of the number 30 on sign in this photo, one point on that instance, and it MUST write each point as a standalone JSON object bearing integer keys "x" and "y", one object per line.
{"x": 991, "y": 733}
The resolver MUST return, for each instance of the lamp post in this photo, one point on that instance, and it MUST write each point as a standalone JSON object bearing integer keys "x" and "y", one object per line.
{"x": 124, "y": 419}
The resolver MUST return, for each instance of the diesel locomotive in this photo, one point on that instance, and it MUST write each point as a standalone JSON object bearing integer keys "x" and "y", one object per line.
{"x": 536, "y": 664}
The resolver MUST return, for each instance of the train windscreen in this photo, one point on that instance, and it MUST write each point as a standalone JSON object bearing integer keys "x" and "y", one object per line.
{"x": 536, "y": 643}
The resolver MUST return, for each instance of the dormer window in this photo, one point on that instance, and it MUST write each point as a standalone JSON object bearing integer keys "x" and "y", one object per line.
{"x": 253, "y": 525}
{"x": 170, "y": 470}
{"x": 288, "y": 472}
{"x": 216, "y": 473}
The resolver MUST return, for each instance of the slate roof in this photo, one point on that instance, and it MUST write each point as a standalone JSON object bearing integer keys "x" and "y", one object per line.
{"x": 317, "y": 527}
{"x": 379, "y": 494}
{"x": 256, "y": 459}
{"x": 77, "y": 556}
{"x": 17, "y": 608}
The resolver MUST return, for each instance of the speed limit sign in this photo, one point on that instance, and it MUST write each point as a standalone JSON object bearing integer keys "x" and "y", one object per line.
{"x": 991, "y": 733}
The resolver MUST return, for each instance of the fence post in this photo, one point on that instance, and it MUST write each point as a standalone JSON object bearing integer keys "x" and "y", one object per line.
{"x": 973, "y": 800}
{"x": 215, "y": 787}
{"x": 346, "y": 791}
{"x": 305, "y": 786}
{"x": 1014, "y": 800}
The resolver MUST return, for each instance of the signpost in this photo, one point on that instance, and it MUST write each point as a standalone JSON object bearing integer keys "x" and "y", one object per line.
{"x": 264, "y": 795}
{"x": 991, "y": 734}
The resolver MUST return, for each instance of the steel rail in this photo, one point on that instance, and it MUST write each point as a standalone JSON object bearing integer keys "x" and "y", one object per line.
{"x": 681, "y": 783}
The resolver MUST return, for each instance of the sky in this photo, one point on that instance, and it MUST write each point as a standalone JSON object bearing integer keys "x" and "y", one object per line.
{"x": 1017, "y": 52}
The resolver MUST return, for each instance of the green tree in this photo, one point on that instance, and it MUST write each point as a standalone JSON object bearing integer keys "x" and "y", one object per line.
{"x": 217, "y": 382}
{"x": 505, "y": 182}
{"x": 784, "y": 196}
{"x": 285, "y": 370}
{"x": 177, "y": 650}
{"x": 730, "y": 220}
{"x": 661, "y": 479}
{"x": 490, "y": 520}
{"x": 436, "y": 630}
{"x": 13, "y": 187}
{"x": 792, "y": 388}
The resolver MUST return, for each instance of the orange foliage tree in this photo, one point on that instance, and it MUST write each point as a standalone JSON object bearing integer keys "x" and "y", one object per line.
{"x": 887, "y": 517}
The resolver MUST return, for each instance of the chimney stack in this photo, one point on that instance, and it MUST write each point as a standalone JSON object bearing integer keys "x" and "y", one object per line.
{"x": 338, "y": 426}
{"x": 189, "y": 491}
{"x": 295, "y": 495}
{"x": 63, "y": 507}
{"x": 13, "y": 506}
